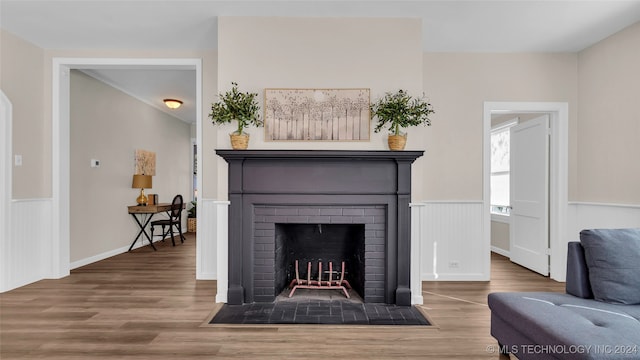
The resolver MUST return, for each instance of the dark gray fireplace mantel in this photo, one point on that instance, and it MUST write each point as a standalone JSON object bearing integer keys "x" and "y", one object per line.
{"x": 319, "y": 178}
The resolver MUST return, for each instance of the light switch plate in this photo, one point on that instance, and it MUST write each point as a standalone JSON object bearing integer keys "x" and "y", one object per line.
{"x": 17, "y": 160}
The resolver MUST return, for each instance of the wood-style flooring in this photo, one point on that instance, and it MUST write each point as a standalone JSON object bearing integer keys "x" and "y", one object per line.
{"x": 148, "y": 305}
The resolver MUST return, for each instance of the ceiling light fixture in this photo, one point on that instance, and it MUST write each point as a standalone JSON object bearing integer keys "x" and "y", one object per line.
{"x": 172, "y": 103}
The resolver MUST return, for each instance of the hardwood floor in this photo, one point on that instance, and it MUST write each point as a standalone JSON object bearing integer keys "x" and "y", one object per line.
{"x": 146, "y": 304}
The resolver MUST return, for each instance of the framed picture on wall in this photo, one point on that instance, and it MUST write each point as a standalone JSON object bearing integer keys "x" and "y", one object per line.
{"x": 145, "y": 162}
{"x": 317, "y": 115}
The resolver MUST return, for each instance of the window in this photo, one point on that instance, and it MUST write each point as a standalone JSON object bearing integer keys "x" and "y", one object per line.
{"x": 500, "y": 146}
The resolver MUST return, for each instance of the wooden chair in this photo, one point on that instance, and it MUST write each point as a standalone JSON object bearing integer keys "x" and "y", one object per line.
{"x": 174, "y": 220}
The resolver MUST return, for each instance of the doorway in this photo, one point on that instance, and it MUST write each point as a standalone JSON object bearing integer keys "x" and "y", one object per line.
{"x": 60, "y": 254}
{"x": 558, "y": 175}
{"x": 519, "y": 188}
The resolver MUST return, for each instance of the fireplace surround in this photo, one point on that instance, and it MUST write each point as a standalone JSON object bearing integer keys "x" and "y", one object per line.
{"x": 269, "y": 189}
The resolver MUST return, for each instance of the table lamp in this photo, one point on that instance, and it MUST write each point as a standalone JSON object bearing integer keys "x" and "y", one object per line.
{"x": 141, "y": 182}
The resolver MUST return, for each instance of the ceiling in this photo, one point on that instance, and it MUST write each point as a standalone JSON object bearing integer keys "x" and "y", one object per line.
{"x": 447, "y": 26}
{"x": 152, "y": 86}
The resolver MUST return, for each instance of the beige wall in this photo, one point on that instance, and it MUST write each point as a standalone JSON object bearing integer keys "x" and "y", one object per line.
{"x": 609, "y": 120}
{"x": 599, "y": 83}
{"x": 500, "y": 235}
{"x": 26, "y": 78}
{"x": 209, "y": 90}
{"x": 21, "y": 78}
{"x": 109, "y": 125}
{"x": 459, "y": 84}
{"x": 263, "y": 52}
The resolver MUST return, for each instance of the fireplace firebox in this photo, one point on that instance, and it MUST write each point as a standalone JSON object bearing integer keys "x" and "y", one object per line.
{"x": 316, "y": 205}
{"x": 319, "y": 244}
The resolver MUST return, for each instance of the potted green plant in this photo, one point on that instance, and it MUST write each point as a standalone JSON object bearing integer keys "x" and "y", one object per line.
{"x": 241, "y": 107}
{"x": 400, "y": 110}
{"x": 192, "y": 217}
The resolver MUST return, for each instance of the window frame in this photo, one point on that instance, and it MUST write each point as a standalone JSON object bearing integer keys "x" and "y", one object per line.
{"x": 503, "y": 126}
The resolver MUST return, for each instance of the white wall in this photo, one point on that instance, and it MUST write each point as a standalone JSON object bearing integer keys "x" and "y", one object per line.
{"x": 583, "y": 215}
{"x": 452, "y": 245}
{"x": 109, "y": 125}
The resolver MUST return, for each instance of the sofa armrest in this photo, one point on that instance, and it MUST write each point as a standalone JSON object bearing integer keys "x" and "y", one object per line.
{"x": 577, "y": 272}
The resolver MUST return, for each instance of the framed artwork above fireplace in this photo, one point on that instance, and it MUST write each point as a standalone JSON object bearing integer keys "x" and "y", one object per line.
{"x": 317, "y": 115}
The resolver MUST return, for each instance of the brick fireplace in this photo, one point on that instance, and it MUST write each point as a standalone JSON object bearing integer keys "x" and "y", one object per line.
{"x": 352, "y": 205}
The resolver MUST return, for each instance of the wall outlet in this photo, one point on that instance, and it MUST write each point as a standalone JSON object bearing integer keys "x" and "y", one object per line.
{"x": 454, "y": 264}
{"x": 95, "y": 163}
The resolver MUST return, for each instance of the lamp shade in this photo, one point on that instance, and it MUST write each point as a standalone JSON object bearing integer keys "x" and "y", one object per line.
{"x": 141, "y": 181}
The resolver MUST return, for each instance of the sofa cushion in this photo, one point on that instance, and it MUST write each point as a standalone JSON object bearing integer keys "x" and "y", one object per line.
{"x": 565, "y": 326}
{"x": 612, "y": 256}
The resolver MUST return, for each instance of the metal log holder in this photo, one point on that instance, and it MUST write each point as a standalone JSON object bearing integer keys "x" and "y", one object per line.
{"x": 330, "y": 284}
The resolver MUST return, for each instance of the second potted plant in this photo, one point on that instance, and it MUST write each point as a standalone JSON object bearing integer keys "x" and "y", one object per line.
{"x": 238, "y": 106}
{"x": 400, "y": 110}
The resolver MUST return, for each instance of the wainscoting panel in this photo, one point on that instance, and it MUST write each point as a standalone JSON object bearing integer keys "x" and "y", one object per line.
{"x": 28, "y": 253}
{"x": 417, "y": 234}
{"x": 212, "y": 227}
{"x": 584, "y": 215}
{"x": 452, "y": 241}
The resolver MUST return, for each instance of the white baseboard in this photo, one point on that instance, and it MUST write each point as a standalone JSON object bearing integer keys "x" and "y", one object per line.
{"x": 110, "y": 253}
{"x": 500, "y": 251}
{"x": 454, "y": 277}
{"x": 417, "y": 299}
{"x": 207, "y": 276}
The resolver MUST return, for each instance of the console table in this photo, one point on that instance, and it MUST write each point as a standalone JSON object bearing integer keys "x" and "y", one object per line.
{"x": 142, "y": 215}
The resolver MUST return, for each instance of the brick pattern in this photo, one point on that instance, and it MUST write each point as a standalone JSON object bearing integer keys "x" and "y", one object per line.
{"x": 266, "y": 217}
{"x": 319, "y": 312}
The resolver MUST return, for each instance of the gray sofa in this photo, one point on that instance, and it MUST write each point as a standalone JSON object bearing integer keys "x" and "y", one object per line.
{"x": 597, "y": 318}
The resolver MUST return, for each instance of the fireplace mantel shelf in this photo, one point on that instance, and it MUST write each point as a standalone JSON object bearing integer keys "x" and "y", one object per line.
{"x": 321, "y": 154}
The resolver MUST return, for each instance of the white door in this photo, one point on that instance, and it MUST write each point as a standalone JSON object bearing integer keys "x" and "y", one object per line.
{"x": 529, "y": 172}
